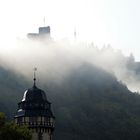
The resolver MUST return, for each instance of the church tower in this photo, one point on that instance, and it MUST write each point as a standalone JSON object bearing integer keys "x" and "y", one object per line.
{"x": 35, "y": 111}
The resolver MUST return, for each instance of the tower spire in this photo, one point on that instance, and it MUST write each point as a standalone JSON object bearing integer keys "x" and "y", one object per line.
{"x": 35, "y": 69}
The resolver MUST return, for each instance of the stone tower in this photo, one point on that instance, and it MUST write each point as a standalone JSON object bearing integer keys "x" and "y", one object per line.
{"x": 43, "y": 33}
{"x": 35, "y": 111}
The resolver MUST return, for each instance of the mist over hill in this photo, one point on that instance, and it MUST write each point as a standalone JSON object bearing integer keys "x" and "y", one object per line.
{"x": 56, "y": 59}
{"x": 93, "y": 104}
{"x": 88, "y": 103}
{"x": 87, "y": 88}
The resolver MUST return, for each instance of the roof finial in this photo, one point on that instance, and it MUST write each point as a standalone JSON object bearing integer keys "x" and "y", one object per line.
{"x": 35, "y": 69}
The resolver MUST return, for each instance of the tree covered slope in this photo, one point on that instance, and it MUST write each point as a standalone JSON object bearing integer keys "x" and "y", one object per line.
{"x": 88, "y": 103}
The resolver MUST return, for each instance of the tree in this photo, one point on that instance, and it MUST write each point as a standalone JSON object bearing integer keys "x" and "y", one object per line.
{"x": 11, "y": 131}
{"x": 2, "y": 120}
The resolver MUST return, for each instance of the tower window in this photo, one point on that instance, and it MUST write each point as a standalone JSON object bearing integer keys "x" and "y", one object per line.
{"x": 33, "y": 120}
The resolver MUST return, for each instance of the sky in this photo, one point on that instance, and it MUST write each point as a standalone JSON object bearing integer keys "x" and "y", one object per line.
{"x": 114, "y": 22}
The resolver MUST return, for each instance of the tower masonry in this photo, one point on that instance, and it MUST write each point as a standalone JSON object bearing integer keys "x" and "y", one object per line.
{"x": 35, "y": 111}
{"x": 43, "y": 33}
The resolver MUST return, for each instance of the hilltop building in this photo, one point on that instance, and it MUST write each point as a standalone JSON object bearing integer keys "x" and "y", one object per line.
{"x": 43, "y": 33}
{"x": 35, "y": 111}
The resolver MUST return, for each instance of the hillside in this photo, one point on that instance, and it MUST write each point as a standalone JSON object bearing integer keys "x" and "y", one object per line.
{"x": 11, "y": 90}
{"x": 88, "y": 103}
{"x": 92, "y": 104}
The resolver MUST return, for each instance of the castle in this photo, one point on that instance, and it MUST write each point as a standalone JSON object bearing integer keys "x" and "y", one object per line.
{"x": 43, "y": 33}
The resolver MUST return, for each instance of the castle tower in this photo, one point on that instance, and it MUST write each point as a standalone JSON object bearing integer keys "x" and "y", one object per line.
{"x": 43, "y": 33}
{"x": 35, "y": 111}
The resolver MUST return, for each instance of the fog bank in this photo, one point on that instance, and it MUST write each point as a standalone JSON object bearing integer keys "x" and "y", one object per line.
{"x": 56, "y": 59}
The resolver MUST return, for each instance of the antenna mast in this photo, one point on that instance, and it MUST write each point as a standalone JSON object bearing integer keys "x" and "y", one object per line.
{"x": 44, "y": 20}
{"x": 75, "y": 34}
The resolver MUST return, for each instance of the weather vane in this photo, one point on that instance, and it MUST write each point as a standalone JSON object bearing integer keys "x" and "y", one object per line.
{"x": 35, "y": 69}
